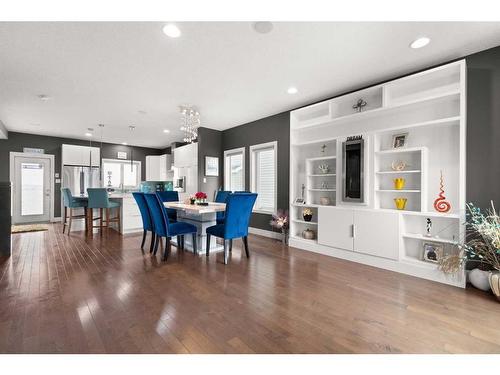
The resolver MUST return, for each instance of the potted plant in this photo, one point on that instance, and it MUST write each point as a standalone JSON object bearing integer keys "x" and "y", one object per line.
{"x": 482, "y": 244}
{"x": 280, "y": 222}
{"x": 307, "y": 214}
{"x": 201, "y": 198}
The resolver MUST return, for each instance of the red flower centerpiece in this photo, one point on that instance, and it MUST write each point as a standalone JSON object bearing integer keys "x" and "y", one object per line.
{"x": 201, "y": 198}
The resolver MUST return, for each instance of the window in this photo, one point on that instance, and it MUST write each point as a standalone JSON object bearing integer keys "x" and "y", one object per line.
{"x": 119, "y": 173}
{"x": 234, "y": 169}
{"x": 263, "y": 176}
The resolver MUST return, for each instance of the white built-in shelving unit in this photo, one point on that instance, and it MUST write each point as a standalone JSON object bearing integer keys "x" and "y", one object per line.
{"x": 430, "y": 107}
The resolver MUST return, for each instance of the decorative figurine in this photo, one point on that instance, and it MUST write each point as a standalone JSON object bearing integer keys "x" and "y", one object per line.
{"x": 359, "y": 105}
{"x": 303, "y": 188}
{"x": 441, "y": 204}
{"x": 398, "y": 165}
{"x": 323, "y": 148}
{"x": 428, "y": 227}
{"x": 324, "y": 168}
{"x": 400, "y": 203}
{"x": 399, "y": 183}
{"x": 109, "y": 178}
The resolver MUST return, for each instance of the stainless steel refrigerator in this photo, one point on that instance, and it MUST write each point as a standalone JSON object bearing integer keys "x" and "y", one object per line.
{"x": 78, "y": 179}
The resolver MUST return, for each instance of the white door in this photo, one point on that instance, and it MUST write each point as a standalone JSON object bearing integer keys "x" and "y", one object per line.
{"x": 376, "y": 233}
{"x": 335, "y": 227}
{"x": 31, "y": 188}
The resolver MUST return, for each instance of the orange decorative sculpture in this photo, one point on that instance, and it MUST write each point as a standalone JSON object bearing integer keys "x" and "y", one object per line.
{"x": 441, "y": 204}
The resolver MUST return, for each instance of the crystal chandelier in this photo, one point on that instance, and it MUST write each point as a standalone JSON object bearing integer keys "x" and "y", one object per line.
{"x": 190, "y": 121}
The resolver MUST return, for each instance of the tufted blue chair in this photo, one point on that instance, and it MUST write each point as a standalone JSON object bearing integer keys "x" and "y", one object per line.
{"x": 99, "y": 199}
{"x": 147, "y": 223}
{"x": 163, "y": 227}
{"x": 221, "y": 198}
{"x": 169, "y": 196}
{"x": 238, "y": 212}
{"x": 70, "y": 202}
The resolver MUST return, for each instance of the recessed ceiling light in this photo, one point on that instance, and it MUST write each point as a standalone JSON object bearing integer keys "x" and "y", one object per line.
{"x": 171, "y": 31}
{"x": 166, "y": 131}
{"x": 124, "y": 143}
{"x": 88, "y": 134}
{"x": 420, "y": 42}
{"x": 292, "y": 90}
{"x": 263, "y": 27}
{"x": 44, "y": 97}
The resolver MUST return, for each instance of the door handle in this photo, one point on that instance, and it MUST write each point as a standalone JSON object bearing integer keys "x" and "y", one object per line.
{"x": 353, "y": 230}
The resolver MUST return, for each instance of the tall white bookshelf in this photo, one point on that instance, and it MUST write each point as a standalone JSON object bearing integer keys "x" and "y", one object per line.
{"x": 430, "y": 107}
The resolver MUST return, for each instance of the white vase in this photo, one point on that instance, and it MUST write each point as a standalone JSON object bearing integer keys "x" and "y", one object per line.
{"x": 479, "y": 279}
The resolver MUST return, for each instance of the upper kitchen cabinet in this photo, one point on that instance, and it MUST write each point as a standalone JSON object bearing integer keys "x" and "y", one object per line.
{"x": 81, "y": 155}
{"x": 186, "y": 156}
{"x": 159, "y": 167}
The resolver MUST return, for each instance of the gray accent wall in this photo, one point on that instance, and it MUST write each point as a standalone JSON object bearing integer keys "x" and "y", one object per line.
{"x": 272, "y": 128}
{"x": 53, "y": 146}
{"x": 483, "y": 128}
{"x": 209, "y": 144}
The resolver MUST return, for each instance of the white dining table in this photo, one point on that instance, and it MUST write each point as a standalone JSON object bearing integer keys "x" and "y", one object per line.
{"x": 202, "y": 217}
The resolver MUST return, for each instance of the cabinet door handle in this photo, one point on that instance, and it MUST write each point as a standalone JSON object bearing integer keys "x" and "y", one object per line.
{"x": 353, "y": 231}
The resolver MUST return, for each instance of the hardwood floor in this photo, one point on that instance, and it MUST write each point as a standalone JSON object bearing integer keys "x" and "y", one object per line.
{"x": 61, "y": 294}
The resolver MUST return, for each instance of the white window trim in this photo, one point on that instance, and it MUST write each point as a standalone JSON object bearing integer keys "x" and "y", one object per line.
{"x": 123, "y": 163}
{"x": 240, "y": 150}
{"x": 253, "y": 189}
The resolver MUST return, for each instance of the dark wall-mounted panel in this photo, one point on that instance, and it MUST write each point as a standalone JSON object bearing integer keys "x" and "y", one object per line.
{"x": 483, "y": 128}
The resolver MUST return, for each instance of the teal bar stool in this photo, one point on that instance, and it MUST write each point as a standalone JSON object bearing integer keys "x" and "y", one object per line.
{"x": 70, "y": 202}
{"x": 98, "y": 199}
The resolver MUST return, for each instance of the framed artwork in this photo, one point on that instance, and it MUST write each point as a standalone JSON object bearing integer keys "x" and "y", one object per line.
{"x": 211, "y": 166}
{"x": 399, "y": 140}
{"x": 299, "y": 201}
{"x": 432, "y": 252}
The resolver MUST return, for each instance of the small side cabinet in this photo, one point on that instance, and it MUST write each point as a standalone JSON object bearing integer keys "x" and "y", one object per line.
{"x": 363, "y": 231}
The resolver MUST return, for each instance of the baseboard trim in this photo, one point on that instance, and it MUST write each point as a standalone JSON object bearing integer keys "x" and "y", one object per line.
{"x": 56, "y": 219}
{"x": 264, "y": 233}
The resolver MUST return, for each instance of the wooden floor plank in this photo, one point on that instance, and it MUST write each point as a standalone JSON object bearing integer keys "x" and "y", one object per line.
{"x": 102, "y": 294}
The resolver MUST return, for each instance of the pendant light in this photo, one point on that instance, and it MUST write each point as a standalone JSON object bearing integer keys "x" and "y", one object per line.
{"x": 131, "y": 128}
{"x": 101, "y": 126}
{"x": 91, "y": 130}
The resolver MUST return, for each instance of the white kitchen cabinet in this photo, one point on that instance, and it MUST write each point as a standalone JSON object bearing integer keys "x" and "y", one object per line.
{"x": 376, "y": 233}
{"x": 363, "y": 231}
{"x": 159, "y": 167}
{"x": 186, "y": 156}
{"x": 80, "y": 155}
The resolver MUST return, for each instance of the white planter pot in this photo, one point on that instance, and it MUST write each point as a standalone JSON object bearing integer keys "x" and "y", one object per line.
{"x": 479, "y": 279}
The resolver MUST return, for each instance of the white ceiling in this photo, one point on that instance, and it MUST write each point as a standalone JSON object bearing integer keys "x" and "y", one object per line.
{"x": 108, "y": 72}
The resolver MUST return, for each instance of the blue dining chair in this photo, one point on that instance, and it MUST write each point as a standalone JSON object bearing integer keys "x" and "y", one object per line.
{"x": 238, "y": 212}
{"x": 70, "y": 202}
{"x": 221, "y": 198}
{"x": 147, "y": 223}
{"x": 99, "y": 199}
{"x": 169, "y": 196}
{"x": 163, "y": 227}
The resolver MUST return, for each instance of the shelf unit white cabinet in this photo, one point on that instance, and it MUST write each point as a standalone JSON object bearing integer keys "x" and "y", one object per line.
{"x": 431, "y": 107}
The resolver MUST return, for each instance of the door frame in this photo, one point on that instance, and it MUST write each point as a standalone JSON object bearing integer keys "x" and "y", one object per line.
{"x": 49, "y": 157}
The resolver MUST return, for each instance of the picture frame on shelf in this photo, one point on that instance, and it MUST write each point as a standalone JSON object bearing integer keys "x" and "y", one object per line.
{"x": 211, "y": 166}
{"x": 399, "y": 140}
{"x": 299, "y": 201}
{"x": 432, "y": 252}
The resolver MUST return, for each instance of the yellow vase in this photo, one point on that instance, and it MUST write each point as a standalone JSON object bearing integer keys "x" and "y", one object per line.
{"x": 399, "y": 183}
{"x": 400, "y": 203}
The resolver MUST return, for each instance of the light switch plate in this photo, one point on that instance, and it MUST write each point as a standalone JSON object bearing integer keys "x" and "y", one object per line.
{"x": 204, "y": 180}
